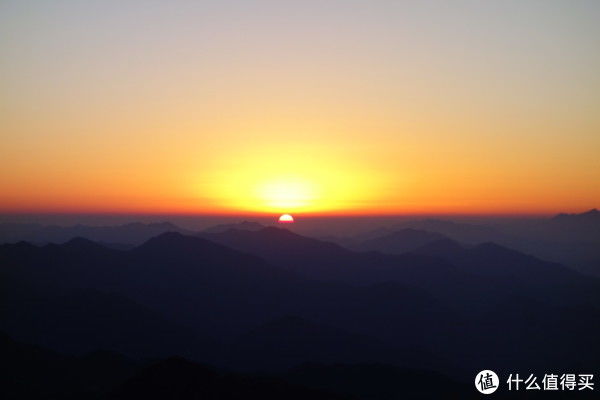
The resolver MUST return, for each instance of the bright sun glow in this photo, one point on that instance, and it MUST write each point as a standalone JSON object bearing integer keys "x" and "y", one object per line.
{"x": 292, "y": 194}
{"x": 296, "y": 181}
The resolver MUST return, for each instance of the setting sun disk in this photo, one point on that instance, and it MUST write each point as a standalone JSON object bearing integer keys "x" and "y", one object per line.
{"x": 286, "y": 219}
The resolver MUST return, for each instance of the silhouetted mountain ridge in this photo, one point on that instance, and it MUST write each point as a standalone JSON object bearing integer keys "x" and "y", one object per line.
{"x": 592, "y": 215}
{"x": 131, "y": 233}
{"x": 244, "y": 226}
{"x": 185, "y": 290}
{"x": 400, "y": 241}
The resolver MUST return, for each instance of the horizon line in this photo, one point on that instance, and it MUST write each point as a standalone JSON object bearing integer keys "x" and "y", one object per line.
{"x": 298, "y": 214}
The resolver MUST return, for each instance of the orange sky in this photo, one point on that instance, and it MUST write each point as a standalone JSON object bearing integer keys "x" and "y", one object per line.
{"x": 302, "y": 107}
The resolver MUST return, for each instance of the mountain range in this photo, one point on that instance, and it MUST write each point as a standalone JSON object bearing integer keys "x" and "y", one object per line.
{"x": 32, "y": 372}
{"x": 270, "y": 299}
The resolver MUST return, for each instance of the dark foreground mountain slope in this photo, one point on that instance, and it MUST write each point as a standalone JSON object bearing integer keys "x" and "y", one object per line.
{"x": 444, "y": 310}
{"x": 379, "y": 381}
{"x": 32, "y": 372}
{"x": 187, "y": 290}
{"x": 179, "y": 379}
{"x": 293, "y": 340}
{"x": 79, "y": 321}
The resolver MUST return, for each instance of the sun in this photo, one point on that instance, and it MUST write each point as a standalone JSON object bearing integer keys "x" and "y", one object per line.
{"x": 286, "y": 219}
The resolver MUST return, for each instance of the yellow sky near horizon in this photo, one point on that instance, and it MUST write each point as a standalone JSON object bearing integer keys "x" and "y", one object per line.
{"x": 278, "y": 107}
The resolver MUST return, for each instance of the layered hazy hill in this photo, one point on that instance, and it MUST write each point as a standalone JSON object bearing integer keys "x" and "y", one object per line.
{"x": 247, "y": 299}
{"x": 243, "y": 226}
{"x": 122, "y": 236}
{"x": 570, "y": 239}
{"x": 398, "y": 242}
{"x": 397, "y": 304}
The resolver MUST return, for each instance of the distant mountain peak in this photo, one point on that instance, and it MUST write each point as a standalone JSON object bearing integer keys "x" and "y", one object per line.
{"x": 250, "y": 223}
{"x": 491, "y": 246}
{"x": 163, "y": 225}
{"x": 277, "y": 230}
{"x": 416, "y": 232}
{"x": 171, "y": 242}
{"x": 441, "y": 247}
{"x": 175, "y": 244}
{"x": 593, "y": 213}
{"x": 400, "y": 241}
{"x": 170, "y": 235}
{"x": 78, "y": 241}
{"x": 82, "y": 244}
{"x": 242, "y": 226}
{"x": 21, "y": 244}
{"x": 168, "y": 238}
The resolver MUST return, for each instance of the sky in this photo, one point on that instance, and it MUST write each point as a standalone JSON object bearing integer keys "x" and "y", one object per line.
{"x": 314, "y": 107}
